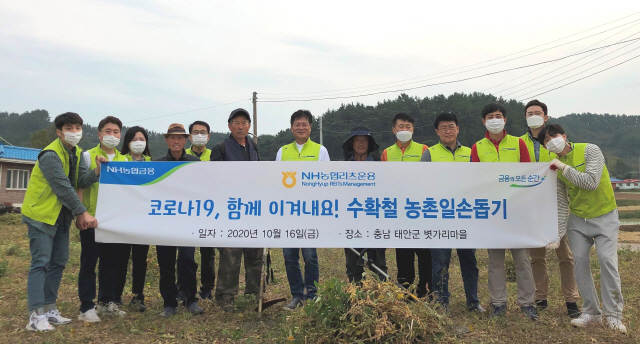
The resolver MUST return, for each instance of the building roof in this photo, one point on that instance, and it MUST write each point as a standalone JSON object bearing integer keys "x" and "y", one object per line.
{"x": 616, "y": 181}
{"x": 18, "y": 153}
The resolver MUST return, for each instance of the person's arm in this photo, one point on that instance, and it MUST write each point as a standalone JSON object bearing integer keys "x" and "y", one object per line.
{"x": 426, "y": 156}
{"x": 384, "y": 155}
{"x": 324, "y": 154}
{"x": 524, "y": 151}
{"x": 216, "y": 153}
{"x": 86, "y": 177}
{"x": 590, "y": 178}
{"x": 51, "y": 168}
{"x": 279, "y": 155}
{"x": 474, "y": 154}
{"x": 563, "y": 212}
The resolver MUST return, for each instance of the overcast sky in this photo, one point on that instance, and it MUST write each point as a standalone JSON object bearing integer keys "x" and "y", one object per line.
{"x": 144, "y": 60}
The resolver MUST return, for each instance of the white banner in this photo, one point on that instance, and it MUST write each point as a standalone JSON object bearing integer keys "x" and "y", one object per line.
{"x": 328, "y": 204}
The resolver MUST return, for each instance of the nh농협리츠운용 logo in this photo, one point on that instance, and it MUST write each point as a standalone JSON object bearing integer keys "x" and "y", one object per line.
{"x": 289, "y": 179}
{"x": 522, "y": 181}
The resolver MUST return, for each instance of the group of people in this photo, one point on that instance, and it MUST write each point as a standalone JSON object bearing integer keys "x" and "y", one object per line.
{"x": 65, "y": 183}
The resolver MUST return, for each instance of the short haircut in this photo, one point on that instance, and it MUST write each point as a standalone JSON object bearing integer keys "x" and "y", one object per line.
{"x": 493, "y": 108}
{"x": 128, "y": 137}
{"x": 202, "y": 123}
{"x": 536, "y": 102}
{"x": 107, "y": 120}
{"x": 551, "y": 129}
{"x": 445, "y": 117}
{"x": 67, "y": 118}
{"x": 302, "y": 113}
{"x": 402, "y": 116}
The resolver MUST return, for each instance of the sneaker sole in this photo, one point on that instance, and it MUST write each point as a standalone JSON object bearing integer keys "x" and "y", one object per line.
{"x": 80, "y": 318}
{"x": 30, "y": 328}
{"x": 59, "y": 323}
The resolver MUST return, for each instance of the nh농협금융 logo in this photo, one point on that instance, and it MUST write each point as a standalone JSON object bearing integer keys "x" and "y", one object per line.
{"x": 289, "y": 179}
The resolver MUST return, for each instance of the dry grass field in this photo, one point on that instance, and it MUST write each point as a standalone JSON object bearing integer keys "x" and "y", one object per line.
{"x": 243, "y": 326}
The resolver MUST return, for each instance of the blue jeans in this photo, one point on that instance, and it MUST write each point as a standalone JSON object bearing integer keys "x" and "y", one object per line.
{"x": 440, "y": 259}
{"x": 294, "y": 274}
{"x": 49, "y": 256}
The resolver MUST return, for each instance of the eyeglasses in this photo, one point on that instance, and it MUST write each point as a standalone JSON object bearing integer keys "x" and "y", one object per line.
{"x": 537, "y": 113}
{"x": 201, "y": 132}
{"x": 301, "y": 125}
{"x": 446, "y": 129}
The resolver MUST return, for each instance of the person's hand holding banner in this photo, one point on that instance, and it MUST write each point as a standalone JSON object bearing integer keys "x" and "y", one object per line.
{"x": 99, "y": 161}
{"x": 557, "y": 165}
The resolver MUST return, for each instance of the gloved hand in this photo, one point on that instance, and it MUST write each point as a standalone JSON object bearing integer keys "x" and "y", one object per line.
{"x": 554, "y": 245}
{"x": 557, "y": 165}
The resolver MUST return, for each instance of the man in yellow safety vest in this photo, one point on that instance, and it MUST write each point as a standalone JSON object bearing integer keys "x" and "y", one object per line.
{"x": 536, "y": 116}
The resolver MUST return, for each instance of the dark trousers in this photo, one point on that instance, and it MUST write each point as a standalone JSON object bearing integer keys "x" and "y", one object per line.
{"x": 138, "y": 254}
{"x": 406, "y": 269}
{"x": 229, "y": 271}
{"x": 187, "y": 268}
{"x": 469, "y": 269}
{"x": 207, "y": 269}
{"x": 354, "y": 271}
{"x": 90, "y": 252}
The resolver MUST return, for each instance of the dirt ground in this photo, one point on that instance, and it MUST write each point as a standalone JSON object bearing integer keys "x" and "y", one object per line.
{"x": 628, "y": 195}
{"x": 629, "y": 237}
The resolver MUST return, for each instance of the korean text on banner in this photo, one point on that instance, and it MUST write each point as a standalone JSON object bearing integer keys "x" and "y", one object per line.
{"x": 336, "y": 204}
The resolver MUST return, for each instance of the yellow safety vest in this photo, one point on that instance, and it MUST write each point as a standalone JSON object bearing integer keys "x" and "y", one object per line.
{"x": 509, "y": 150}
{"x": 440, "y": 153}
{"x": 206, "y": 156}
{"x": 584, "y": 203}
{"x": 545, "y": 155}
{"x": 413, "y": 152}
{"x": 90, "y": 196}
{"x": 310, "y": 152}
{"x": 40, "y": 203}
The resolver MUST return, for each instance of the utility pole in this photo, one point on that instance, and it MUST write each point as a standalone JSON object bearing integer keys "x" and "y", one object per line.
{"x": 321, "y": 130}
{"x": 255, "y": 117}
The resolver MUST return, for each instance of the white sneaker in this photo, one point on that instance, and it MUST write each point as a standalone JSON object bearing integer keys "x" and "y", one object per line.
{"x": 585, "y": 320}
{"x": 55, "y": 318}
{"x": 39, "y": 323}
{"x": 89, "y": 316}
{"x": 112, "y": 309}
{"x": 616, "y": 324}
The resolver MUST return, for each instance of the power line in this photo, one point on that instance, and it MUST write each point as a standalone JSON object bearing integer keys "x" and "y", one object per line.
{"x": 480, "y": 63}
{"x": 183, "y": 112}
{"x": 590, "y": 75}
{"x": 446, "y": 82}
{"x": 541, "y": 68}
{"x": 582, "y": 65}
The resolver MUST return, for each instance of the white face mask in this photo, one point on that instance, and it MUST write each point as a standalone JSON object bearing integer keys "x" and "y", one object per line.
{"x": 495, "y": 126}
{"x": 72, "y": 138}
{"x": 199, "y": 140}
{"x": 110, "y": 141}
{"x": 137, "y": 147}
{"x": 535, "y": 122}
{"x": 556, "y": 145}
{"x": 404, "y": 136}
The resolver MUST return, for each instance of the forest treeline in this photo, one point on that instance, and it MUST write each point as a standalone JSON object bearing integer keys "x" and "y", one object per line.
{"x": 617, "y": 135}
